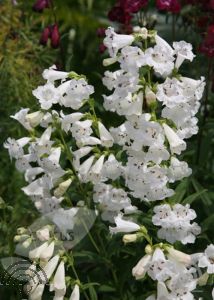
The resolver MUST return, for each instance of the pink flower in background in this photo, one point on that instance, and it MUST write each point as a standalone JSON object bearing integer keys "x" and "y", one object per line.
{"x": 133, "y": 6}
{"x": 40, "y": 5}
{"x": 46, "y": 33}
{"x": 117, "y": 14}
{"x": 55, "y": 36}
{"x": 50, "y": 32}
{"x": 207, "y": 46}
{"x": 172, "y": 6}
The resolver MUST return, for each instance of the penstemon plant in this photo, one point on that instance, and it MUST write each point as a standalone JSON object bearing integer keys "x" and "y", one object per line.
{"x": 72, "y": 163}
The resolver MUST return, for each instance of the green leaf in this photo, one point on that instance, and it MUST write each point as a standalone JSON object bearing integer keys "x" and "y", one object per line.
{"x": 204, "y": 196}
{"x": 190, "y": 199}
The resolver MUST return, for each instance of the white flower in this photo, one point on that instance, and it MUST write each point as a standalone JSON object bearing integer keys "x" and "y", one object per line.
{"x": 37, "y": 292}
{"x": 43, "y": 234}
{"x": 15, "y": 147}
{"x": 207, "y": 260}
{"x": 20, "y": 116}
{"x": 183, "y": 51}
{"x": 176, "y": 144}
{"x": 75, "y": 295}
{"x": 58, "y": 284}
{"x": 81, "y": 129}
{"x": 160, "y": 57}
{"x": 68, "y": 120}
{"x": 47, "y": 95}
{"x": 178, "y": 170}
{"x": 179, "y": 256}
{"x": 122, "y": 225}
{"x": 50, "y": 267}
{"x": 84, "y": 168}
{"x": 112, "y": 168}
{"x": 111, "y": 200}
{"x": 74, "y": 92}
{"x": 159, "y": 268}
{"x": 52, "y": 74}
{"x": 139, "y": 271}
{"x": 95, "y": 172}
{"x": 78, "y": 154}
{"x": 48, "y": 253}
{"x": 36, "y": 253}
{"x": 114, "y": 41}
{"x": 131, "y": 59}
{"x": 175, "y": 223}
{"x": 105, "y": 137}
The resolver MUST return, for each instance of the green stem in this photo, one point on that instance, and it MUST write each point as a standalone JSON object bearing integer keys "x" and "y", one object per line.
{"x": 90, "y": 237}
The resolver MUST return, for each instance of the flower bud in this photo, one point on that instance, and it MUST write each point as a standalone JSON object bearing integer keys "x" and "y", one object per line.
{"x": 148, "y": 249}
{"x": 62, "y": 188}
{"x": 150, "y": 96}
{"x": 43, "y": 234}
{"x": 130, "y": 238}
{"x": 45, "y": 36}
{"x": 109, "y": 61}
{"x": 27, "y": 242}
{"x": 21, "y": 230}
{"x": 55, "y": 36}
{"x": 202, "y": 280}
{"x": 34, "y": 118}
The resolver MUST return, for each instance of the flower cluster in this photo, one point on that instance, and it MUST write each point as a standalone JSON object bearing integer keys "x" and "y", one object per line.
{"x": 114, "y": 169}
{"x": 51, "y": 31}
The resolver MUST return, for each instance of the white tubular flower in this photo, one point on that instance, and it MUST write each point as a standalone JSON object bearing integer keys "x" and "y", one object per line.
{"x": 105, "y": 137}
{"x": 122, "y": 225}
{"x": 114, "y": 41}
{"x": 183, "y": 51}
{"x": 68, "y": 120}
{"x": 179, "y": 256}
{"x": 34, "y": 118}
{"x": 89, "y": 140}
{"x": 75, "y": 92}
{"x": 139, "y": 271}
{"x": 48, "y": 253}
{"x": 150, "y": 96}
{"x": 175, "y": 223}
{"x": 75, "y": 295}
{"x": 50, "y": 267}
{"x": 81, "y": 129}
{"x": 47, "y": 95}
{"x": 20, "y": 116}
{"x": 162, "y": 292}
{"x": 131, "y": 59}
{"x": 36, "y": 253}
{"x": 112, "y": 168}
{"x": 213, "y": 293}
{"x": 15, "y": 147}
{"x": 176, "y": 144}
{"x": 43, "y": 234}
{"x": 52, "y": 74}
{"x": 95, "y": 172}
{"x": 178, "y": 170}
{"x": 207, "y": 260}
{"x": 37, "y": 292}
{"x": 58, "y": 284}
{"x": 84, "y": 168}
{"x": 159, "y": 268}
{"x": 78, "y": 154}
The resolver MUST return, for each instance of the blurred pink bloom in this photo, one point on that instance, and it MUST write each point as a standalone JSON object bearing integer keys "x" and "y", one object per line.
{"x": 40, "y": 5}
{"x": 55, "y": 36}
{"x": 207, "y": 46}
{"x": 46, "y": 33}
{"x": 172, "y": 6}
